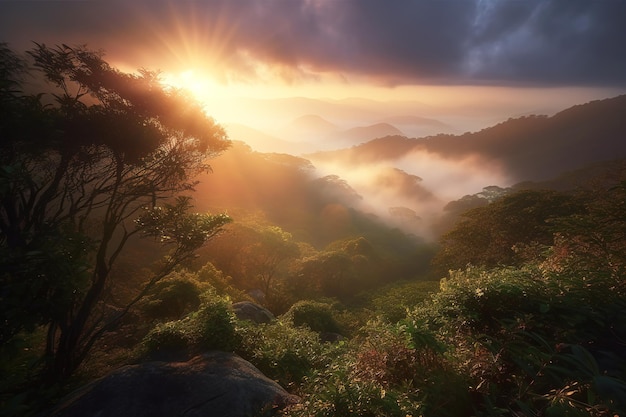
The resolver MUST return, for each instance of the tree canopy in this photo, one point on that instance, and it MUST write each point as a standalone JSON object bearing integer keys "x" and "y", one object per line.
{"x": 80, "y": 160}
{"x": 492, "y": 235}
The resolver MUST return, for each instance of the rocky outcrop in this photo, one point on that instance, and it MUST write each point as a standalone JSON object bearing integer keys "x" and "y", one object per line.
{"x": 245, "y": 310}
{"x": 213, "y": 384}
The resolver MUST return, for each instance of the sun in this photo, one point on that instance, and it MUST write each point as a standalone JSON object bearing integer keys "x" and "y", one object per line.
{"x": 199, "y": 85}
{"x": 212, "y": 95}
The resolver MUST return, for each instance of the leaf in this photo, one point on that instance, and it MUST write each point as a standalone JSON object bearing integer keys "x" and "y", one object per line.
{"x": 586, "y": 359}
{"x": 610, "y": 388}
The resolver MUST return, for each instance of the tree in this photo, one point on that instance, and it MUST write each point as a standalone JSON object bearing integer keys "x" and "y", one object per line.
{"x": 488, "y": 236}
{"x": 77, "y": 166}
{"x": 263, "y": 255}
{"x": 593, "y": 244}
{"x": 331, "y": 273}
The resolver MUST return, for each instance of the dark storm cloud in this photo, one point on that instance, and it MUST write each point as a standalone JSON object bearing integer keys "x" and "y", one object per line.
{"x": 573, "y": 41}
{"x": 446, "y": 41}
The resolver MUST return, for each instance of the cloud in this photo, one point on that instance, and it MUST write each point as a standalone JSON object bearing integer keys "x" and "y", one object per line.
{"x": 536, "y": 42}
{"x": 554, "y": 42}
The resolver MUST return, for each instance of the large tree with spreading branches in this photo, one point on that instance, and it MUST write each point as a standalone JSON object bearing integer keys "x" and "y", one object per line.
{"x": 87, "y": 162}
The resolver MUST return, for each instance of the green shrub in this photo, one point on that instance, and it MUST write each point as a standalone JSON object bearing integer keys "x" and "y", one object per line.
{"x": 317, "y": 316}
{"x": 334, "y": 392}
{"x": 380, "y": 373}
{"x": 393, "y": 303}
{"x": 222, "y": 283}
{"x": 212, "y": 327}
{"x": 173, "y": 297}
{"x": 170, "y": 336}
{"x": 283, "y": 352}
{"x": 531, "y": 341}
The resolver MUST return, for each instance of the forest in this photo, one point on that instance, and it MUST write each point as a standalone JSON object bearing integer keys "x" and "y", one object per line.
{"x": 131, "y": 224}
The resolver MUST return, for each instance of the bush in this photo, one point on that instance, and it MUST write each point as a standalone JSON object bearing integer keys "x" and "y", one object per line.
{"x": 317, "y": 316}
{"x": 170, "y": 336}
{"x": 393, "y": 303}
{"x": 533, "y": 342}
{"x": 212, "y": 327}
{"x": 283, "y": 352}
{"x": 334, "y": 392}
{"x": 222, "y": 283}
{"x": 173, "y": 297}
{"x": 380, "y": 373}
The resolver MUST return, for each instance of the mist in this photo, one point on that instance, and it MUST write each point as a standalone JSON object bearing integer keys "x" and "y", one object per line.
{"x": 323, "y": 239}
{"x": 406, "y": 182}
{"x": 420, "y": 181}
{"x": 417, "y": 111}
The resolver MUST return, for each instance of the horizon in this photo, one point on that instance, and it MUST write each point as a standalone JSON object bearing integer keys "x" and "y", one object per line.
{"x": 493, "y": 60}
{"x": 359, "y": 70}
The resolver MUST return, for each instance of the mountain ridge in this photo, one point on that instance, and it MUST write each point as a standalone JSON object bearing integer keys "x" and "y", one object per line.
{"x": 530, "y": 148}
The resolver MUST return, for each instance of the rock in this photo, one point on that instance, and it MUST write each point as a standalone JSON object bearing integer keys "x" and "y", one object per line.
{"x": 246, "y": 310}
{"x": 213, "y": 384}
{"x": 331, "y": 337}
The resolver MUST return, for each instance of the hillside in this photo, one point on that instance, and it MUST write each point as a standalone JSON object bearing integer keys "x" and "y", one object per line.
{"x": 527, "y": 148}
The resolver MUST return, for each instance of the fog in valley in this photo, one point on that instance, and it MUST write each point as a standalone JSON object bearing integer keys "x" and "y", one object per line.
{"x": 406, "y": 168}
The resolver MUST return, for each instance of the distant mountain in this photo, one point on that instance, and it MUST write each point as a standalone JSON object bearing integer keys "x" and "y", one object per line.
{"x": 410, "y": 120}
{"x": 324, "y": 134}
{"x": 290, "y": 108}
{"x": 358, "y": 135}
{"x": 313, "y": 123}
{"x": 308, "y": 128}
{"x": 527, "y": 148}
{"x": 381, "y": 149}
{"x": 418, "y": 126}
{"x": 262, "y": 142}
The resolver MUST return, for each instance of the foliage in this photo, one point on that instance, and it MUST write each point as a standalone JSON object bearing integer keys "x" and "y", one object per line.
{"x": 393, "y": 302}
{"x": 284, "y": 352}
{"x": 265, "y": 253}
{"x": 594, "y": 243}
{"x": 221, "y": 283}
{"x": 254, "y": 254}
{"x": 380, "y": 373}
{"x": 211, "y": 327}
{"x": 76, "y": 168}
{"x": 330, "y": 273}
{"x": 51, "y": 275}
{"x": 528, "y": 339}
{"x": 172, "y": 297}
{"x": 317, "y": 316}
{"x": 173, "y": 225}
{"x": 487, "y": 236}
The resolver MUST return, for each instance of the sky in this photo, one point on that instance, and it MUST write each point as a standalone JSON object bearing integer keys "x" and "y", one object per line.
{"x": 415, "y": 42}
{"x": 440, "y": 52}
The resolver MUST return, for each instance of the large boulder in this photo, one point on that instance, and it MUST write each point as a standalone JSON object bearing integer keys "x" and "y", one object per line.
{"x": 213, "y": 384}
{"x": 246, "y": 310}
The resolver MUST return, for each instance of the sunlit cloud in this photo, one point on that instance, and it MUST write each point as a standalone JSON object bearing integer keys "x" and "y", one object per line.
{"x": 403, "y": 43}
